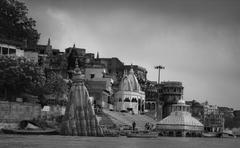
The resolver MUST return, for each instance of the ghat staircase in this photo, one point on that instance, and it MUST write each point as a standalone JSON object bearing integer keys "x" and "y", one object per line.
{"x": 109, "y": 118}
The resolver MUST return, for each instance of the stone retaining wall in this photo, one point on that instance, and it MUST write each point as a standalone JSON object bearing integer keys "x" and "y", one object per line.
{"x": 14, "y": 112}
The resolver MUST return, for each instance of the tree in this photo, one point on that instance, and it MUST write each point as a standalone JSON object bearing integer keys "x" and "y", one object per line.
{"x": 19, "y": 75}
{"x": 55, "y": 84}
{"x": 15, "y": 24}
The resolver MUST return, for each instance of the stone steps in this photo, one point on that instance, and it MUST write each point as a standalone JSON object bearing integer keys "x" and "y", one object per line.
{"x": 120, "y": 118}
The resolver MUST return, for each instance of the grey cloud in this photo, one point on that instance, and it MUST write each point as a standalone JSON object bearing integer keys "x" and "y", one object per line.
{"x": 197, "y": 41}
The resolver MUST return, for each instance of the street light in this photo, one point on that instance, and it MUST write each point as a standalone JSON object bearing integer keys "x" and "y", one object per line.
{"x": 159, "y": 67}
{"x": 158, "y": 108}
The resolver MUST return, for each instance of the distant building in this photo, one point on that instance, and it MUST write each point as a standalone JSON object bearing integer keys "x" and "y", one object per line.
{"x": 151, "y": 92}
{"x": 31, "y": 55}
{"x": 84, "y": 59}
{"x": 212, "y": 119}
{"x": 170, "y": 93}
{"x": 130, "y": 97}
{"x": 43, "y": 52}
{"x": 213, "y": 122}
{"x": 95, "y": 72}
{"x": 11, "y": 48}
{"x": 89, "y": 59}
{"x": 114, "y": 67}
{"x": 210, "y": 109}
{"x": 99, "y": 86}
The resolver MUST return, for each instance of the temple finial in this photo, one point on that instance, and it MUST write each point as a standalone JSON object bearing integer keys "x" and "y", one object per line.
{"x": 49, "y": 42}
{"x": 131, "y": 69}
{"x": 77, "y": 75}
{"x": 97, "y": 55}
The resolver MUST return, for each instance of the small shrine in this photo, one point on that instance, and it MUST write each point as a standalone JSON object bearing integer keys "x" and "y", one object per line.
{"x": 180, "y": 122}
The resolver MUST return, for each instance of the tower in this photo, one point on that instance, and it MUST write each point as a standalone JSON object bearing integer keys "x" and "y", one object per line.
{"x": 170, "y": 93}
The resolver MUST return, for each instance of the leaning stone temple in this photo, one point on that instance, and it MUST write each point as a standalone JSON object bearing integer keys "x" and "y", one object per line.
{"x": 79, "y": 119}
{"x": 180, "y": 122}
{"x": 130, "y": 97}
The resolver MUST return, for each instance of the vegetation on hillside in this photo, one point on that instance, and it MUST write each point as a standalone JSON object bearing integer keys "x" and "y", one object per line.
{"x": 15, "y": 24}
{"x": 19, "y": 76}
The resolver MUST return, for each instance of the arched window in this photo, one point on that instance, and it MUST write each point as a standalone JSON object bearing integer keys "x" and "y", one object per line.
{"x": 134, "y": 100}
{"x": 126, "y": 100}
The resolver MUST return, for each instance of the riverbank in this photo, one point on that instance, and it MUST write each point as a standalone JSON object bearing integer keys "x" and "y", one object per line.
{"x": 19, "y": 141}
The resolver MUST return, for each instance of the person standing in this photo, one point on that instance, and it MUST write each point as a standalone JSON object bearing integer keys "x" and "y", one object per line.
{"x": 134, "y": 125}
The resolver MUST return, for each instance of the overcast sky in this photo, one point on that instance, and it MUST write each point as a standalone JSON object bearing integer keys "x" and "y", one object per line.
{"x": 196, "y": 40}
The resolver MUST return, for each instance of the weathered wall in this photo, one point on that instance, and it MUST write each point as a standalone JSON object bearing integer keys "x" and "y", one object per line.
{"x": 13, "y": 112}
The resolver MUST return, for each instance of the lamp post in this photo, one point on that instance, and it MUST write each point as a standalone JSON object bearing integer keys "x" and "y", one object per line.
{"x": 158, "y": 105}
{"x": 159, "y": 67}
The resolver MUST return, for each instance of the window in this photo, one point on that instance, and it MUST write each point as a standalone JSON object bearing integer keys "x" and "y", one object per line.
{"x": 4, "y": 50}
{"x": 92, "y": 75}
{"x": 120, "y": 100}
{"x": 134, "y": 100}
{"x": 12, "y": 51}
{"x": 127, "y": 100}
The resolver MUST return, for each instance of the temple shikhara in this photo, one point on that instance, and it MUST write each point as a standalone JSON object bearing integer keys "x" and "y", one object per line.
{"x": 79, "y": 119}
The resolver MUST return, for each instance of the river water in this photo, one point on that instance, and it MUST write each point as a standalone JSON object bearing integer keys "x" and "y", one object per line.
{"x": 19, "y": 141}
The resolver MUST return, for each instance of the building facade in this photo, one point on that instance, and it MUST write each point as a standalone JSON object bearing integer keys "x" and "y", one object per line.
{"x": 11, "y": 48}
{"x": 114, "y": 67}
{"x": 170, "y": 93}
{"x": 99, "y": 86}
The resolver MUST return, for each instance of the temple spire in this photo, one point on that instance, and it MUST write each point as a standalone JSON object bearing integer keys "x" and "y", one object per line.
{"x": 49, "y": 42}
{"x": 97, "y": 55}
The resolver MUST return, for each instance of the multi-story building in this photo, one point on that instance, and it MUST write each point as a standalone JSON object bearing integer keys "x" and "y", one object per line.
{"x": 99, "y": 86}
{"x": 212, "y": 118}
{"x": 213, "y": 122}
{"x": 11, "y": 48}
{"x": 151, "y": 92}
{"x": 114, "y": 67}
{"x": 84, "y": 59}
{"x": 170, "y": 92}
{"x": 210, "y": 109}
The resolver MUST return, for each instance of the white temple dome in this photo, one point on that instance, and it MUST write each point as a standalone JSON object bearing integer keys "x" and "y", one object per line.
{"x": 180, "y": 118}
{"x": 130, "y": 82}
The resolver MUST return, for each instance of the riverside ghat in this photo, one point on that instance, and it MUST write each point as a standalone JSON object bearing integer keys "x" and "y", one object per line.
{"x": 80, "y": 118}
